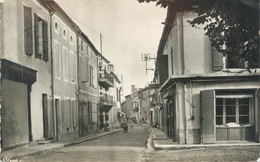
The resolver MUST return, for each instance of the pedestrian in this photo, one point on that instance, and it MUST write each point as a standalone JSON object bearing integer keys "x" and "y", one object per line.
{"x": 125, "y": 126}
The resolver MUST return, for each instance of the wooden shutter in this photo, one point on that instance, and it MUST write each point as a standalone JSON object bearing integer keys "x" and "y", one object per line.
{"x": 36, "y": 35}
{"x": 28, "y": 42}
{"x": 94, "y": 113}
{"x": 217, "y": 60}
{"x": 89, "y": 112}
{"x": 257, "y": 110}
{"x": 208, "y": 124}
{"x": 45, "y": 41}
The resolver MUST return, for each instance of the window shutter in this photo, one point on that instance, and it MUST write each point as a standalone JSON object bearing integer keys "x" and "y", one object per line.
{"x": 258, "y": 115}
{"x": 208, "y": 116}
{"x": 87, "y": 69}
{"x": 217, "y": 60}
{"x": 94, "y": 112}
{"x": 89, "y": 112}
{"x": 28, "y": 42}
{"x": 45, "y": 41}
{"x": 68, "y": 113}
{"x": 36, "y": 34}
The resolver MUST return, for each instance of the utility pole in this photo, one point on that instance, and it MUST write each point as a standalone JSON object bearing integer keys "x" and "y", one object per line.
{"x": 101, "y": 43}
{"x": 147, "y": 57}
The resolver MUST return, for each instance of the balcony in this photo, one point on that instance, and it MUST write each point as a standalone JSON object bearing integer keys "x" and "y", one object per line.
{"x": 105, "y": 79}
{"x": 106, "y": 102}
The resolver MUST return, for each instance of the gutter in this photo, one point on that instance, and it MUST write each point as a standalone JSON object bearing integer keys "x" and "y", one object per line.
{"x": 52, "y": 81}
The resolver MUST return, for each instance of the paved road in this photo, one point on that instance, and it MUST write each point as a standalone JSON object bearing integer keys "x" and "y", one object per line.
{"x": 227, "y": 154}
{"x": 114, "y": 147}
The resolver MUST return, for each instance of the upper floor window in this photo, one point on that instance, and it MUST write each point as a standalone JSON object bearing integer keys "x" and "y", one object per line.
{"x": 230, "y": 61}
{"x": 57, "y": 57}
{"x": 56, "y": 26}
{"x": 41, "y": 38}
{"x": 28, "y": 33}
{"x": 91, "y": 76}
{"x": 64, "y": 34}
{"x": 81, "y": 45}
{"x": 87, "y": 50}
{"x": 65, "y": 63}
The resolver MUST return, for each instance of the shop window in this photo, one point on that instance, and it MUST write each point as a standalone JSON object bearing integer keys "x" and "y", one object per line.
{"x": 232, "y": 110}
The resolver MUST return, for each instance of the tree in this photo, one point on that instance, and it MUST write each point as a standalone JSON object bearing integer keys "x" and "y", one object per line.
{"x": 232, "y": 25}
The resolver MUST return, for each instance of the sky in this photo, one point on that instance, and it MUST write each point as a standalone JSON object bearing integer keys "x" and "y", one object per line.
{"x": 128, "y": 29}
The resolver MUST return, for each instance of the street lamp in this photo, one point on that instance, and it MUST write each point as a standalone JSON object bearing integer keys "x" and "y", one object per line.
{"x": 147, "y": 57}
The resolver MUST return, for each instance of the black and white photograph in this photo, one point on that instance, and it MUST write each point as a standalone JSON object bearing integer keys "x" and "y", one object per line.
{"x": 129, "y": 80}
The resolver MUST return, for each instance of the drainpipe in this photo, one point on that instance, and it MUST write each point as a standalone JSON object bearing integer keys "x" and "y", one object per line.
{"x": 78, "y": 81}
{"x": 55, "y": 131}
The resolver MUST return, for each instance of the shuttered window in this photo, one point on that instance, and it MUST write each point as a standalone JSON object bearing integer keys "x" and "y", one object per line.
{"x": 36, "y": 35}
{"x": 45, "y": 41}
{"x": 28, "y": 37}
{"x": 74, "y": 113}
{"x": 91, "y": 76}
{"x": 65, "y": 63}
{"x": 217, "y": 60}
{"x": 89, "y": 112}
{"x": 71, "y": 66}
{"x": 41, "y": 38}
{"x": 94, "y": 112}
{"x": 57, "y": 57}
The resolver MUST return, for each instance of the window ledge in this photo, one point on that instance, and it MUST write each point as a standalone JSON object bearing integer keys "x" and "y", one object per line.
{"x": 237, "y": 126}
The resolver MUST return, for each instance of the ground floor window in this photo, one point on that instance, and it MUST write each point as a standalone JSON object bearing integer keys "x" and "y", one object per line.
{"x": 233, "y": 110}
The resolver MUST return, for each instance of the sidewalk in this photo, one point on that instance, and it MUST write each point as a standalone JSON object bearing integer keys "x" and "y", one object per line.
{"x": 162, "y": 142}
{"x": 27, "y": 150}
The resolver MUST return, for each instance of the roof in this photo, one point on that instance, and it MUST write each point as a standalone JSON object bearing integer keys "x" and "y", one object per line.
{"x": 85, "y": 37}
{"x": 52, "y": 6}
{"x": 217, "y": 75}
{"x": 103, "y": 58}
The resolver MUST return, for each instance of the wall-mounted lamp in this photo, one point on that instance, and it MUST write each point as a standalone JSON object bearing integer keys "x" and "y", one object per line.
{"x": 171, "y": 25}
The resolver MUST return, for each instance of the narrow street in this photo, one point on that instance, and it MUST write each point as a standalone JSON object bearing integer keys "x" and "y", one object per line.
{"x": 114, "y": 147}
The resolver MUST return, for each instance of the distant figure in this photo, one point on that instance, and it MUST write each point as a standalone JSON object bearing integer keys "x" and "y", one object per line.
{"x": 131, "y": 124}
{"x": 125, "y": 126}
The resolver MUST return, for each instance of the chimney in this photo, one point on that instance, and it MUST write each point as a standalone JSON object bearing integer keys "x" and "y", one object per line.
{"x": 133, "y": 88}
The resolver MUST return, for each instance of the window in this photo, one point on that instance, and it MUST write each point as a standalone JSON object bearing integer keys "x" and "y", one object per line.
{"x": 91, "y": 76}
{"x": 233, "y": 110}
{"x": 217, "y": 60}
{"x": 72, "y": 66}
{"x": 28, "y": 39}
{"x": 57, "y": 57}
{"x": 41, "y": 38}
{"x": 64, "y": 34}
{"x": 87, "y": 50}
{"x": 65, "y": 63}
{"x": 56, "y": 26}
{"x": 89, "y": 112}
{"x": 81, "y": 45}
{"x": 234, "y": 61}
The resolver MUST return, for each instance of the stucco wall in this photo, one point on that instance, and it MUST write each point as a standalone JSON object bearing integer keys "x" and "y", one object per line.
{"x": 13, "y": 50}
{"x": 65, "y": 87}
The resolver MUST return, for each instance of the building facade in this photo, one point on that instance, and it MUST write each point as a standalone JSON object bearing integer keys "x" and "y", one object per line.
{"x": 105, "y": 81}
{"x": 206, "y": 97}
{"x": 88, "y": 86}
{"x": 50, "y": 76}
